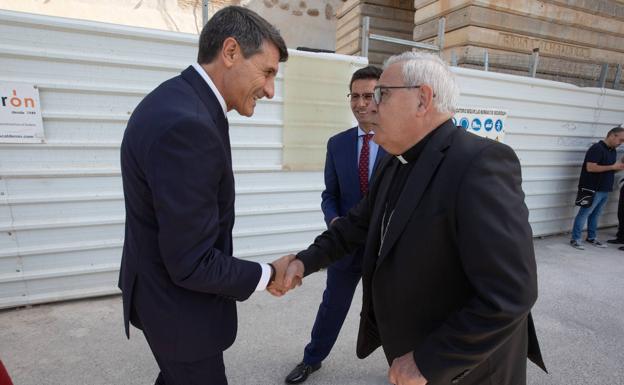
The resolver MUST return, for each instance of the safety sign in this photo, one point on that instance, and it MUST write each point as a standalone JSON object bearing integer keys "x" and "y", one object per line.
{"x": 487, "y": 122}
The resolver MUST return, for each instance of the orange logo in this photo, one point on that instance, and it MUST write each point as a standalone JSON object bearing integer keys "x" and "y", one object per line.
{"x": 17, "y": 102}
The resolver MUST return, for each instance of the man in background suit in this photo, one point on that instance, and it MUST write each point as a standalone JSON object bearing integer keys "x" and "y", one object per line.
{"x": 179, "y": 280}
{"x": 448, "y": 273}
{"x": 351, "y": 160}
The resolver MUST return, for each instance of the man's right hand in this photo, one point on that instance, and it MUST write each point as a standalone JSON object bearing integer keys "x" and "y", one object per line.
{"x": 294, "y": 273}
{"x": 617, "y": 166}
{"x": 276, "y": 286}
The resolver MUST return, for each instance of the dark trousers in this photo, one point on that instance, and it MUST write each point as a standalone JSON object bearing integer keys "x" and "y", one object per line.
{"x": 342, "y": 279}
{"x": 209, "y": 371}
{"x": 620, "y": 233}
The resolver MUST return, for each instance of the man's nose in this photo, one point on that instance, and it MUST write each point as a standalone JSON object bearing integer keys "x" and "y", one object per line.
{"x": 269, "y": 88}
{"x": 373, "y": 106}
{"x": 361, "y": 102}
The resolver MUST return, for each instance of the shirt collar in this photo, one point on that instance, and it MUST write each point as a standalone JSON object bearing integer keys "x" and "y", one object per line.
{"x": 362, "y": 132}
{"x": 606, "y": 145}
{"x": 212, "y": 86}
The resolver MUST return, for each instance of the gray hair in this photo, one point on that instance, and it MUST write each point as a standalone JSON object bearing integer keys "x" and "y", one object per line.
{"x": 248, "y": 28}
{"x": 425, "y": 68}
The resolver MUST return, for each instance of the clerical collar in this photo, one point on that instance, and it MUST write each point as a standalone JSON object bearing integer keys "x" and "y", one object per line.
{"x": 412, "y": 154}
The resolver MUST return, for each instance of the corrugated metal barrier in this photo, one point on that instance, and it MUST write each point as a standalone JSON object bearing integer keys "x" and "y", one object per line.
{"x": 61, "y": 202}
{"x": 550, "y": 125}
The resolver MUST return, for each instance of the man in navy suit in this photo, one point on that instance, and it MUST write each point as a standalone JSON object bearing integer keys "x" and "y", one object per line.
{"x": 351, "y": 159}
{"x": 179, "y": 280}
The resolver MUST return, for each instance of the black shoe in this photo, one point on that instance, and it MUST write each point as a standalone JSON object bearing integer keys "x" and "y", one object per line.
{"x": 621, "y": 248}
{"x": 301, "y": 372}
{"x": 616, "y": 241}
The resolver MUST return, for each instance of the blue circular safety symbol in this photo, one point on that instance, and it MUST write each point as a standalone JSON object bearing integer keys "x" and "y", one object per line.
{"x": 488, "y": 124}
{"x": 499, "y": 125}
{"x": 476, "y": 124}
{"x": 464, "y": 123}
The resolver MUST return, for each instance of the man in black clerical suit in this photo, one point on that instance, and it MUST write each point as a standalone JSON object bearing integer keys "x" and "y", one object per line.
{"x": 449, "y": 274}
{"x": 179, "y": 280}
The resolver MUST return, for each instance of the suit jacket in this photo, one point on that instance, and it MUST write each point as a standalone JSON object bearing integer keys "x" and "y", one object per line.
{"x": 178, "y": 277}
{"x": 455, "y": 276}
{"x": 342, "y": 184}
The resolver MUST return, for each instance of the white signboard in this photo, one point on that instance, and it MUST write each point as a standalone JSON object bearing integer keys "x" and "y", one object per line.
{"x": 486, "y": 122}
{"x": 20, "y": 114}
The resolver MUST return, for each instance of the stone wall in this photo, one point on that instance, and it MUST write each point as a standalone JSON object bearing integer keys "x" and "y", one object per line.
{"x": 574, "y": 37}
{"x": 309, "y": 23}
{"x": 303, "y": 23}
{"x": 393, "y": 18}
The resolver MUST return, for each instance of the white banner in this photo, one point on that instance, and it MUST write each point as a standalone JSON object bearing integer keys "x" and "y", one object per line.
{"x": 486, "y": 122}
{"x": 20, "y": 114}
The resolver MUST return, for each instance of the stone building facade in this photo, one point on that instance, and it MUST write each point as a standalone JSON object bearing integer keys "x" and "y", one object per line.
{"x": 574, "y": 38}
{"x": 308, "y": 23}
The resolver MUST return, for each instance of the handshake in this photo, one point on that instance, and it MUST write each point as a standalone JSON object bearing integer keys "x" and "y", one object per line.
{"x": 288, "y": 275}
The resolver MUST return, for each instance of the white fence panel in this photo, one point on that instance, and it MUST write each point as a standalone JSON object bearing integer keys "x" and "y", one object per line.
{"x": 550, "y": 125}
{"x": 61, "y": 203}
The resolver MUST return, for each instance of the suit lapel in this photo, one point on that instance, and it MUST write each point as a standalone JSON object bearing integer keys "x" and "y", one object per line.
{"x": 208, "y": 98}
{"x": 416, "y": 185}
{"x": 350, "y": 160}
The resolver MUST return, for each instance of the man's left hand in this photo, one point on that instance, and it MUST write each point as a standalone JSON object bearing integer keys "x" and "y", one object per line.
{"x": 405, "y": 372}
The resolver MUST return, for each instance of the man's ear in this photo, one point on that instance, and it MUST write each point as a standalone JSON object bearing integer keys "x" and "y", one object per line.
{"x": 229, "y": 51}
{"x": 425, "y": 98}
